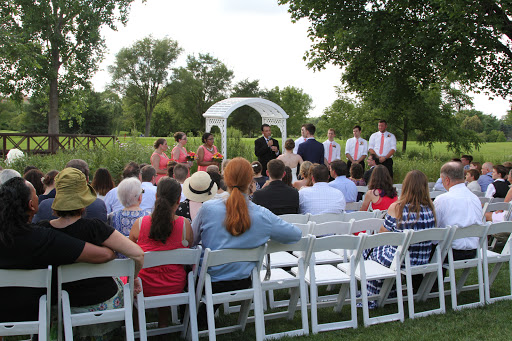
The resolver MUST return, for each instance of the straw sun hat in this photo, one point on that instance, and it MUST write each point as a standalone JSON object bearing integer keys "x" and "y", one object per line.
{"x": 199, "y": 187}
{"x": 72, "y": 191}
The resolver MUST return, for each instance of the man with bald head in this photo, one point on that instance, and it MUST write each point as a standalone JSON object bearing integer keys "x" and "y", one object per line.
{"x": 486, "y": 179}
{"x": 459, "y": 206}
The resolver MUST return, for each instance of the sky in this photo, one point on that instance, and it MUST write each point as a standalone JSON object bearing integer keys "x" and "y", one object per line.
{"x": 254, "y": 38}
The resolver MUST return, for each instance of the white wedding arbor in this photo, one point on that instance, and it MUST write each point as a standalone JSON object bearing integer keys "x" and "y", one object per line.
{"x": 217, "y": 115}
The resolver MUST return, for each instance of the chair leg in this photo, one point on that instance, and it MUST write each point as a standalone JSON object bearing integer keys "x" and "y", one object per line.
{"x": 259, "y": 319}
{"x": 141, "y": 313}
{"x": 410, "y": 291}
{"x": 210, "y": 313}
{"x": 128, "y": 313}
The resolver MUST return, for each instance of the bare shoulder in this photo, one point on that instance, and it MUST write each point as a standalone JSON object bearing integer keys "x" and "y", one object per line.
{"x": 393, "y": 209}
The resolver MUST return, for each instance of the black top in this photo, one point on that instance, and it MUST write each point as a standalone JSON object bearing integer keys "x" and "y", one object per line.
{"x": 96, "y": 210}
{"x": 93, "y": 290}
{"x": 34, "y": 249}
{"x": 261, "y": 181}
{"x": 264, "y": 152}
{"x": 502, "y": 188}
{"x": 367, "y": 175}
{"x": 47, "y": 196}
{"x": 183, "y": 209}
{"x": 278, "y": 197}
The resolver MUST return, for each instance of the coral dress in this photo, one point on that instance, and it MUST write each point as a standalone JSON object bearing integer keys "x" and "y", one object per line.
{"x": 208, "y": 156}
{"x": 384, "y": 202}
{"x": 182, "y": 158}
{"x": 164, "y": 160}
{"x": 165, "y": 279}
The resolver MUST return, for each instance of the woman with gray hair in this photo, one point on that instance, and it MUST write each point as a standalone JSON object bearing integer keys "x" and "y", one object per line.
{"x": 129, "y": 193}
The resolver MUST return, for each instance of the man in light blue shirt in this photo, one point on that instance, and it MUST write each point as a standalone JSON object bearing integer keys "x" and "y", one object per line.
{"x": 486, "y": 179}
{"x": 338, "y": 171}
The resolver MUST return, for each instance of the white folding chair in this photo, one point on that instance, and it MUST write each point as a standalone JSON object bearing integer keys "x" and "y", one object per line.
{"x": 435, "y": 266}
{"x": 398, "y": 187}
{"x": 431, "y": 185}
{"x": 330, "y": 228}
{"x": 359, "y": 215}
{"x": 326, "y": 275}
{"x": 491, "y": 257}
{"x": 79, "y": 271}
{"x": 353, "y": 206}
{"x": 496, "y": 200}
{"x": 484, "y": 200}
{"x": 295, "y": 218}
{"x": 281, "y": 279}
{"x": 497, "y": 206}
{"x": 370, "y": 270}
{"x": 362, "y": 189}
{"x": 220, "y": 257}
{"x": 479, "y": 231}
{"x": 370, "y": 225}
{"x": 325, "y": 217}
{"x": 479, "y": 194}
{"x": 434, "y": 194}
{"x": 39, "y": 278}
{"x": 159, "y": 258}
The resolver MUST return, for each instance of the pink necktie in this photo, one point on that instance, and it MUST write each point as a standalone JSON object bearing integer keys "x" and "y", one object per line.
{"x": 381, "y": 149}
{"x": 305, "y": 140}
{"x": 330, "y": 153}
{"x": 356, "y": 150}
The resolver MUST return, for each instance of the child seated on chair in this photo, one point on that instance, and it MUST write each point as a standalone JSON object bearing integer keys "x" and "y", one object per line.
{"x": 472, "y": 184}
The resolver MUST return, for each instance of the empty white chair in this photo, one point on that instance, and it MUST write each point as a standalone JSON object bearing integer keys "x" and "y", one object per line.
{"x": 295, "y": 218}
{"x": 434, "y": 194}
{"x": 484, "y": 200}
{"x": 398, "y": 187}
{"x": 39, "y": 278}
{"x": 330, "y": 228}
{"x": 497, "y": 259}
{"x": 325, "y": 217}
{"x": 79, "y": 271}
{"x": 159, "y": 258}
{"x": 495, "y": 200}
{"x": 226, "y": 256}
{"x": 359, "y": 215}
{"x": 479, "y": 231}
{"x": 370, "y": 270}
{"x": 353, "y": 206}
{"x": 362, "y": 189}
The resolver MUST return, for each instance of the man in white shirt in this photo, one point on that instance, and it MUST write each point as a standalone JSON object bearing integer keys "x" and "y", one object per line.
{"x": 301, "y": 139}
{"x": 383, "y": 144}
{"x": 500, "y": 186}
{"x": 459, "y": 206}
{"x": 321, "y": 198}
{"x": 356, "y": 148}
{"x": 147, "y": 178}
{"x": 332, "y": 149}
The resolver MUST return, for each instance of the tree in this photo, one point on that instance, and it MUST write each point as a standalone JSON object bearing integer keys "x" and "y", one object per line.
{"x": 53, "y": 47}
{"x": 459, "y": 40}
{"x": 141, "y": 73}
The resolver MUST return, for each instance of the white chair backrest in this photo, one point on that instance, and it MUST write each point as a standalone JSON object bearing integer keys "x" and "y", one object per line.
{"x": 504, "y": 226}
{"x": 332, "y": 227}
{"x": 398, "y": 186}
{"x": 359, "y": 215}
{"x": 350, "y": 243}
{"x": 79, "y": 271}
{"x": 434, "y": 194}
{"x": 362, "y": 189}
{"x": 305, "y": 228}
{"x": 305, "y": 245}
{"x": 226, "y": 256}
{"x": 484, "y": 200}
{"x": 496, "y": 200}
{"x": 295, "y": 218}
{"x": 370, "y": 225}
{"x": 177, "y": 256}
{"x": 325, "y": 217}
{"x": 398, "y": 239}
{"x": 478, "y": 193}
{"x": 471, "y": 231}
{"x": 431, "y": 185}
{"x": 497, "y": 206}
{"x": 353, "y": 206}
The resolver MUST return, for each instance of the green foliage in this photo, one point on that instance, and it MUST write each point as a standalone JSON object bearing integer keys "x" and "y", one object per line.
{"x": 140, "y": 73}
{"x": 246, "y": 119}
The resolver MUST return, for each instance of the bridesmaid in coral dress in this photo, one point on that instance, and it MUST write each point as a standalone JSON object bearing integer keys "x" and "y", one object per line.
{"x": 205, "y": 152}
{"x": 159, "y": 159}
{"x": 179, "y": 152}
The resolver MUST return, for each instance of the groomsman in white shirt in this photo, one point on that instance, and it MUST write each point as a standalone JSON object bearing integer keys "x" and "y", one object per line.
{"x": 301, "y": 139}
{"x": 332, "y": 149}
{"x": 383, "y": 144}
{"x": 356, "y": 148}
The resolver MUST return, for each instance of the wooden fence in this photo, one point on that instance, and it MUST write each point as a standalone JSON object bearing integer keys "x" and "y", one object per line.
{"x": 51, "y": 143}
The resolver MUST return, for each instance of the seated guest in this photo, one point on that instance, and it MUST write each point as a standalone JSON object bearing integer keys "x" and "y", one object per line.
{"x": 304, "y": 173}
{"x": 288, "y": 176}
{"x": 35, "y": 177}
{"x": 95, "y": 210}
{"x": 413, "y": 211}
{"x": 8, "y": 174}
{"x": 277, "y": 196}
{"x": 373, "y": 161}
{"x": 438, "y": 186}
{"x": 131, "y": 170}
{"x": 49, "y": 185}
{"x": 500, "y": 186}
{"x": 466, "y": 160}
{"x": 356, "y": 174}
{"x": 472, "y": 176}
{"x": 486, "y": 178}
{"x": 338, "y": 170}
{"x": 73, "y": 195}
{"x": 321, "y": 198}
{"x": 102, "y": 182}
{"x": 170, "y": 168}
{"x": 161, "y": 231}
{"x": 459, "y": 206}
{"x": 258, "y": 177}
{"x": 198, "y": 189}
{"x": 129, "y": 193}
{"x": 27, "y": 246}
{"x": 180, "y": 174}
{"x": 213, "y": 168}
{"x": 381, "y": 192}
{"x": 477, "y": 166}
{"x": 217, "y": 178}
{"x": 147, "y": 177}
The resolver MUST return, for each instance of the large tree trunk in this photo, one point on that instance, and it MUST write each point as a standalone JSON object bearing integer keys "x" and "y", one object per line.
{"x": 406, "y": 133}
{"x": 53, "y": 115}
{"x": 149, "y": 113}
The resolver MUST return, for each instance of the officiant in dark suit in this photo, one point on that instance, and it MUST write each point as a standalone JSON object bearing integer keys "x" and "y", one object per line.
{"x": 312, "y": 150}
{"x": 266, "y": 148}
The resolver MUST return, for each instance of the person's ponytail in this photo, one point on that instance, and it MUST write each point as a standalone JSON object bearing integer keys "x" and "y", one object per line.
{"x": 238, "y": 177}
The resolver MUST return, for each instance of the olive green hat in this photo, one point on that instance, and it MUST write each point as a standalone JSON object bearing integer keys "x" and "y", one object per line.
{"x": 72, "y": 191}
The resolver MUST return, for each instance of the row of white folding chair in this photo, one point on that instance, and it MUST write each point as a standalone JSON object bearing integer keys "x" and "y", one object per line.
{"x": 327, "y": 217}
{"x": 491, "y": 257}
{"x": 178, "y": 257}
{"x": 38, "y": 278}
{"x": 497, "y": 206}
{"x": 479, "y": 193}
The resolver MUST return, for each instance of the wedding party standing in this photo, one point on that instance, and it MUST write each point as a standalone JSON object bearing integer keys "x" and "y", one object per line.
{"x": 159, "y": 159}
{"x": 205, "y": 152}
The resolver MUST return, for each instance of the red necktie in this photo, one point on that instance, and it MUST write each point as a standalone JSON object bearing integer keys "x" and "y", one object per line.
{"x": 330, "y": 153}
{"x": 381, "y": 149}
{"x": 305, "y": 140}
{"x": 356, "y": 150}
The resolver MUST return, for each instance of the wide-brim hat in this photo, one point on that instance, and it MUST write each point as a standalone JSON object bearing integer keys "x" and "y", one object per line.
{"x": 199, "y": 187}
{"x": 72, "y": 191}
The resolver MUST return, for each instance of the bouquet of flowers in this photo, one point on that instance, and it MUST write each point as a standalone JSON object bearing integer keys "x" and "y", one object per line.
{"x": 191, "y": 156}
{"x": 217, "y": 157}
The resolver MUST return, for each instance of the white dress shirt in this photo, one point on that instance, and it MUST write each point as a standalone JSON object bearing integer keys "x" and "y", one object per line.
{"x": 148, "y": 197}
{"x": 112, "y": 201}
{"x": 459, "y": 206}
{"x": 350, "y": 148}
{"x": 297, "y": 143}
{"x": 389, "y": 143}
{"x": 336, "y": 150}
{"x": 321, "y": 198}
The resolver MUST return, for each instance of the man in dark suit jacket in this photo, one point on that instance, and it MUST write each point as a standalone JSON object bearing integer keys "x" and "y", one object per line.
{"x": 278, "y": 197}
{"x": 266, "y": 148}
{"x": 312, "y": 150}
{"x": 372, "y": 160}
